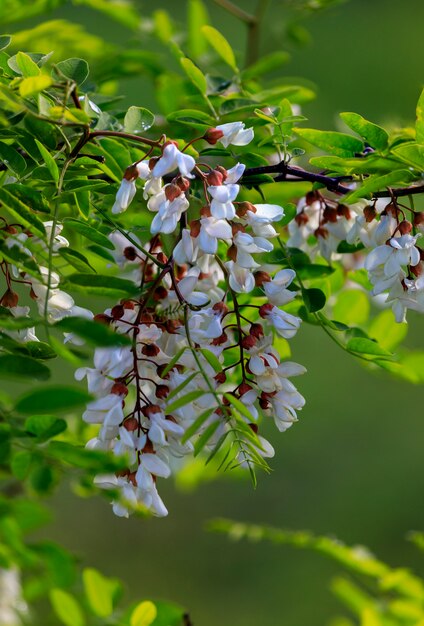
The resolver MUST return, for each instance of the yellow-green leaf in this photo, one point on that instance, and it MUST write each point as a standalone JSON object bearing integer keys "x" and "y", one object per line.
{"x": 27, "y": 66}
{"x": 220, "y": 45}
{"x": 48, "y": 160}
{"x": 66, "y": 608}
{"x": 34, "y": 84}
{"x": 194, "y": 74}
{"x": 144, "y": 614}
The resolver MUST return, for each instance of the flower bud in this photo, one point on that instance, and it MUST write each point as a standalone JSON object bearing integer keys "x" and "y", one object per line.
{"x": 330, "y": 214}
{"x": 220, "y": 378}
{"x": 128, "y": 304}
{"x": 248, "y": 342}
{"x": 9, "y": 299}
{"x": 243, "y": 207}
{"x": 261, "y": 278}
{"x": 152, "y": 162}
{"x": 162, "y": 258}
{"x": 205, "y": 211}
{"x": 182, "y": 182}
{"x": 130, "y": 253}
{"x": 160, "y": 293}
{"x": 150, "y": 349}
{"x": 312, "y": 196}
{"x": 102, "y": 318}
{"x": 344, "y": 211}
{"x": 254, "y": 427}
{"x": 172, "y": 191}
{"x": 222, "y": 171}
{"x": 218, "y": 341}
{"x": 172, "y": 326}
{"x": 244, "y": 388}
{"x": 194, "y": 228}
{"x": 301, "y": 219}
{"x": 257, "y": 331}
{"x": 214, "y": 178}
{"x": 265, "y": 309}
{"x": 162, "y": 391}
{"x": 119, "y": 389}
{"x": 417, "y": 270}
{"x": 131, "y": 424}
{"x": 232, "y": 253}
{"x": 212, "y": 135}
{"x": 131, "y": 173}
{"x": 321, "y": 232}
{"x": 418, "y": 218}
{"x": 220, "y": 307}
{"x": 405, "y": 227}
{"x": 117, "y": 311}
{"x": 370, "y": 213}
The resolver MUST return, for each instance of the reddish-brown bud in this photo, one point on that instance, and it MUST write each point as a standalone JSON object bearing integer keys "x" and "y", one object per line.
{"x": 160, "y": 293}
{"x": 149, "y": 349}
{"x": 9, "y": 299}
{"x": 152, "y": 162}
{"x": 205, "y": 211}
{"x": 232, "y": 253}
{"x": 405, "y": 227}
{"x": 146, "y": 318}
{"x": 417, "y": 270}
{"x": 220, "y": 378}
{"x": 265, "y": 309}
{"x": 162, "y": 391}
{"x": 257, "y": 330}
{"x": 162, "y": 258}
{"x": 222, "y": 171}
{"x": 151, "y": 409}
{"x": 370, "y": 213}
{"x": 344, "y": 211}
{"x": 131, "y": 424}
{"x": 212, "y": 135}
{"x": 119, "y": 389}
{"x": 214, "y": 178}
{"x": 117, "y": 311}
{"x": 218, "y": 341}
{"x": 172, "y": 326}
{"x": 172, "y": 191}
{"x": 419, "y": 218}
{"x": 330, "y": 214}
{"x": 10, "y": 229}
{"x": 131, "y": 173}
{"x": 148, "y": 447}
{"x": 220, "y": 307}
{"x": 132, "y": 478}
{"x": 312, "y": 196}
{"x": 128, "y": 304}
{"x": 244, "y": 388}
{"x": 130, "y": 253}
{"x": 263, "y": 403}
{"x": 194, "y": 228}
{"x": 321, "y": 232}
{"x": 254, "y": 427}
{"x": 249, "y": 342}
{"x": 301, "y": 219}
{"x": 243, "y": 207}
{"x": 237, "y": 228}
{"x": 261, "y": 278}
{"x": 182, "y": 182}
{"x": 102, "y": 318}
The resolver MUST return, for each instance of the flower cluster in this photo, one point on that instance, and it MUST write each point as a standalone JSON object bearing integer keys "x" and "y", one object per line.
{"x": 200, "y": 370}
{"x": 394, "y": 261}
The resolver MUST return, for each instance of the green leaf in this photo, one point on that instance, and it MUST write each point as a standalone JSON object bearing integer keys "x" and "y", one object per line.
{"x": 21, "y": 211}
{"x": 352, "y": 307}
{"x": 362, "y": 345}
{"x": 205, "y": 437}
{"x": 46, "y": 400}
{"x": 20, "y": 464}
{"x": 99, "y": 591}
{"x": 197, "y": 16}
{"x": 220, "y": 45}
{"x": 314, "y": 299}
{"x": 75, "y": 69}
{"x": 173, "y": 362}
{"x": 191, "y": 117}
{"x": 241, "y": 408}
{"x": 197, "y": 424}
{"x": 19, "y": 258}
{"x": 39, "y": 350}
{"x": 138, "y": 120}
{"x": 419, "y": 125}
{"x": 34, "y": 84}
{"x": 374, "y": 135}
{"x": 93, "y": 234}
{"x": 99, "y": 285}
{"x": 387, "y": 331}
{"x": 411, "y": 153}
{"x": 339, "y": 144}
{"x": 144, "y": 614}
{"x": 268, "y": 63}
{"x": 43, "y": 478}
{"x": 371, "y": 164}
{"x": 12, "y": 159}
{"x": 194, "y": 74}
{"x": 181, "y": 386}
{"x": 93, "y": 332}
{"x": 49, "y": 161}
{"x": 5, "y": 41}
{"x": 44, "y": 427}
{"x": 211, "y": 359}
{"x": 377, "y": 183}
{"x": 15, "y": 366}
{"x": 76, "y": 259}
{"x": 184, "y": 400}
{"x": 26, "y": 65}
{"x": 313, "y": 271}
{"x": 66, "y": 608}
{"x": 29, "y": 195}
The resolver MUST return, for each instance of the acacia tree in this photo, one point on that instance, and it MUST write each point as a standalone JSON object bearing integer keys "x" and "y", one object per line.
{"x": 170, "y": 258}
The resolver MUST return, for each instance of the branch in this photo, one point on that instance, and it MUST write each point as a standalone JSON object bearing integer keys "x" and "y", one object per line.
{"x": 332, "y": 183}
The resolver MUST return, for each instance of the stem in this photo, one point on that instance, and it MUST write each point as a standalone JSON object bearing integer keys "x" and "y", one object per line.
{"x": 129, "y": 136}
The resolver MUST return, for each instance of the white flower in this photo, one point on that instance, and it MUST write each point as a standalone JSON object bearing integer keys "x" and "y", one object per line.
{"x": 168, "y": 212}
{"x": 248, "y": 245}
{"x": 121, "y": 242}
{"x": 241, "y": 279}
{"x": 235, "y": 133}
{"x": 284, "y": 323}
{"x": 187, "y": 248}
{"x": 284, "y": 404}
{"x": 124, "y": 196}
{"x": 263, "y": 355}
{"x": 172, "y": 159}
{"x": 212, "y": 229}
{"x": 222, "y": 200}
{"x": 276, "y": 290}
{"x": 277, "y": 379}
{"x": 400, "y": 252}
{"x": 186, "y": 288}
{"x": 205, "y": 325}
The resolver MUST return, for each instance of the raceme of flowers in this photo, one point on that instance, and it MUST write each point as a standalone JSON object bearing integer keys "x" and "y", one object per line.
{"x": 394, "y": 261}
{"x": 201, "y": 363}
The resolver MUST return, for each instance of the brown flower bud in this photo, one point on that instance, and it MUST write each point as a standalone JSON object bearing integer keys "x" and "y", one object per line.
{"x": 149, "y": 349}
{"x": 162, "y": 258}
{"x": 214, "y": 178}
{"x": 243, "y": 207}
{"x": 418, "y": 218}
{"x": 194, "y": 228}
{"x": 244, "y": 388}
{"x": 9, "y": 299}
{"x": 152, "y": 162}
{"x": 128, "y": 304}
{"x": 131, "y": 173}
{"x": 232, "y": 253}
{"x": 172, "y": 191}
{"x": 162, "y": 391}
{"x": 417, "y": 270}
{"x": 119, "y": 389}
{"x": 321, "y": 232}
{"x": 160, "y": 293}
{"x": 257, "y": 331}
{"x": 151, "y": 409}
{"x": 265, "y": 309}
{"x": 220, "y": 307}
{"x": 130, "y": 253}
{"x": 102, "y": 318}
{"x": 131, "y": 424}
{"x": 370, "y": 213}
{"x": 312, "y": 196}
{"x": 117, "y": 311}
{"x": 344, "y": 211}
{"x": 263, "y": 403}
{"x": 218, "y": 341}
{"x": 182, "y": 182}
{"x": 10, "y": 229}
{"x": 405, "y": 227}
{"x": 254, "y": 427}
{"x": 222, "y": 171}
{"x": 249, "y": 342}
{"x": 205, "y": 211}
{"x": 172, "y": 326}
{"x": 261, "y": 278}
{"x": 301, "y": 219}
{"x": 212, "y": 135}
{"x": 330, "y": 214}
{"x": 220, "y": 378}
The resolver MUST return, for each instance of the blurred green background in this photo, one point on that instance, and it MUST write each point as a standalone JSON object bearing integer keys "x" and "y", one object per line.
{"x": 352, "y": 466}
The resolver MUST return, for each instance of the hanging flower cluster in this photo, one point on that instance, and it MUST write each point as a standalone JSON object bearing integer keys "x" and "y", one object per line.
{"x": 201, "y": 370}
{"x": 394, "y": 261}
